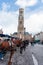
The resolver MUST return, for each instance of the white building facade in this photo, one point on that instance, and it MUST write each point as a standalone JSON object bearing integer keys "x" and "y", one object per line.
{"x": 39, "y": 36}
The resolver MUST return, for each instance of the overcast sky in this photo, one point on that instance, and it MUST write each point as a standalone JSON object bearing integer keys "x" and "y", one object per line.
{"x": 33, "y": 15}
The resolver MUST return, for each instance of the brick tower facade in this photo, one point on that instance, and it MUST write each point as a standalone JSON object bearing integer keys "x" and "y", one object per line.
{"x": 21, "y": 23}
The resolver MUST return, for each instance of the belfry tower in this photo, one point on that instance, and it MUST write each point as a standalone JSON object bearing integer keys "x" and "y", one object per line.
{"x": 21, "y": 23}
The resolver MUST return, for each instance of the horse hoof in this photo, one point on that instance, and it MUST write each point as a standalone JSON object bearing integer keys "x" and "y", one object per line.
{"x": 9, "y": 63}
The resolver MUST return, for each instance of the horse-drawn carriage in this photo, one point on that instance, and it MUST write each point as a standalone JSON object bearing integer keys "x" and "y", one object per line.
{"x": 11, "y": 44}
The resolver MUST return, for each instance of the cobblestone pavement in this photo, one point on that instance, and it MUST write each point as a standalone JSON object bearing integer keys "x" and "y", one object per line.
{"x": 37, "y": 50}
{"x": 26, "y": 57}
{"x": 19, "y": 59}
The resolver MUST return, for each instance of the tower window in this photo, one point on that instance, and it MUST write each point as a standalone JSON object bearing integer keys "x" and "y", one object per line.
{"x": 20, "y": 22}
{"x": 21, "y": 17}
{"x": 21, "y": 12}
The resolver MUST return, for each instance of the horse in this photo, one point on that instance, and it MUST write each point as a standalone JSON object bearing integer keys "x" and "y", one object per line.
{"x": 23, "y": 46}
{"x": 10, "y": 45}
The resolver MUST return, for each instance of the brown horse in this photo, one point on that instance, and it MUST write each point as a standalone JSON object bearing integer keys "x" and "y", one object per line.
{"x": 9, "y": 46}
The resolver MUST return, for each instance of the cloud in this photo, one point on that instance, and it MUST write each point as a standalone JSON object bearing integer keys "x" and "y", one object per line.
{"x": 42, "y": 1}
{"x": 34, "y": 23}
{"x": 25, "y": 3}
{"x": 5, "y": 6}
{"x": 10, "y": 29}
{"x": 8, "y": 20}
